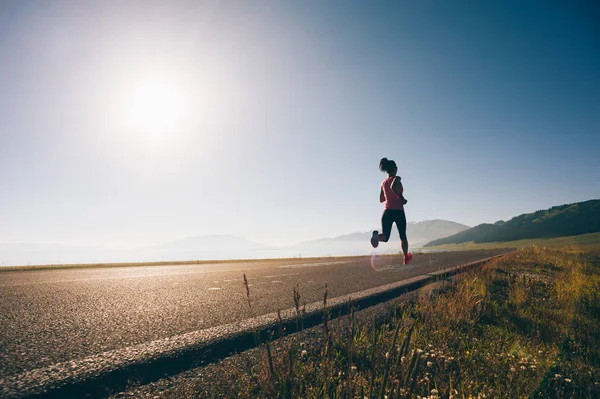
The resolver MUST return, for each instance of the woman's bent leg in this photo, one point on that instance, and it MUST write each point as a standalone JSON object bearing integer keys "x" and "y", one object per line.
{"x": 387, "y": 220}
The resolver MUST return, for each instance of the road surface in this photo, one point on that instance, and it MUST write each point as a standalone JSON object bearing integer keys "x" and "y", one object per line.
{"x": 50, "y": 316}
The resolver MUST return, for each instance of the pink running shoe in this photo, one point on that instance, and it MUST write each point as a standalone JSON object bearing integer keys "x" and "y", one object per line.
{"x": 374, "y": 239}
{"x": 407, "y": 258}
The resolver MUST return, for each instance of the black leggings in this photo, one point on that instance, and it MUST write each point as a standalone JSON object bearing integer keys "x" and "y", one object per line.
{"x": 389, "y": 217}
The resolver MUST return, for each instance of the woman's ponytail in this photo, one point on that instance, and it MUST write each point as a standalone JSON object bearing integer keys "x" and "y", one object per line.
{"x": 385, "y": 165}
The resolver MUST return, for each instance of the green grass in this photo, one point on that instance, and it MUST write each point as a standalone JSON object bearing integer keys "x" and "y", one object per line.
{"x": 525, "y": 325}
{"x": 580, "y": 242}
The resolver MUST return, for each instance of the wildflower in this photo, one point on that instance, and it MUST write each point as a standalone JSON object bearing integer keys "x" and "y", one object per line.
{"x": 353, "y": 368}
{"x": 567, "y": 380}
{"x": 557, "y": 375}
{"x": 419, "y": 350}
{"x": 304, "y": 353}
{"x": 532, "y": 367}
{"x": 434, "y": 391}
{"x": 403, "y": 359}
{"x": 387, "y": 355}
{"x": 429, "y": 364}
{"x": 523, "y": 367}
{"x": 513, "y": 369}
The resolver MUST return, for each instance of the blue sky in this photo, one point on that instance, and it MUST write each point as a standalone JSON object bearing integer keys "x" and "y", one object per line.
{"x": 131, "y": 123}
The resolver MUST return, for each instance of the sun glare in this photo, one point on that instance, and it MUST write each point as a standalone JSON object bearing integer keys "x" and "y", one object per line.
{"x": 154, "y": 108}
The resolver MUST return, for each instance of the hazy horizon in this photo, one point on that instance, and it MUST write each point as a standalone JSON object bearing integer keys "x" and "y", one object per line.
{"x": 124, "y": 124}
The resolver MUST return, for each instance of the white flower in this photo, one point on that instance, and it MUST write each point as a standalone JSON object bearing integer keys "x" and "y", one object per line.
{"x": 304, "y": 353}
{"x": 429, "y": 364}
{"x": 557, "y": 375}
{"x": 387, "y": 355}
{"x": 434, "y": 391}
{"x": 567, "y": 380}
{"x": 403, "y": 359}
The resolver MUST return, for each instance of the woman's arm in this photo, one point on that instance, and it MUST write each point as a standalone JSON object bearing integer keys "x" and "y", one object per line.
{"x": 381, "y": 195}
{"x": 398, "y": 189}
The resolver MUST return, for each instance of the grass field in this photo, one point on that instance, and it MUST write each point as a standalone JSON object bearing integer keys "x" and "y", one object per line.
{"x": 525, "y": 325}
{"x": 584, "y": 241}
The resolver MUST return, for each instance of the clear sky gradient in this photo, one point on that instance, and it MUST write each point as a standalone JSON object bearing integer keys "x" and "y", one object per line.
{"x": 137, "y": 122}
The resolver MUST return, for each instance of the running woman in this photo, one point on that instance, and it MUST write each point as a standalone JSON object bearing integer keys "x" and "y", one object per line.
{"x": 392, "y": 194}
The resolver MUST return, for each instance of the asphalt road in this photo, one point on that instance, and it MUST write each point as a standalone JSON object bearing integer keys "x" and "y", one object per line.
{"x": 50, "y": 316}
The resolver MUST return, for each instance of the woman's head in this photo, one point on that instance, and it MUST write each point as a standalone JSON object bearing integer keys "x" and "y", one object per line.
{"x": 389, "y": 166}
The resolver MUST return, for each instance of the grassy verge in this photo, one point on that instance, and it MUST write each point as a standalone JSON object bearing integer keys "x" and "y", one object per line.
{"x": 526, "y": 325}
{"x": 581, "y": 242}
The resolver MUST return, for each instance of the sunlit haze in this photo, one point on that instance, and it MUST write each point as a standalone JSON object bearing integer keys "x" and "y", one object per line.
{"x": 125, "y": 124}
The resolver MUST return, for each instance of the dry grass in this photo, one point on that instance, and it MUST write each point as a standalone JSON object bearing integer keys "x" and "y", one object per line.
{"x": 526, "y": 325}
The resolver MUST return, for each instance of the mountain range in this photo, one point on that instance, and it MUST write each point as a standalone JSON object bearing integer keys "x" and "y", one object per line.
{"x": 558, "y": 221}
{"x": 222, "y": 247}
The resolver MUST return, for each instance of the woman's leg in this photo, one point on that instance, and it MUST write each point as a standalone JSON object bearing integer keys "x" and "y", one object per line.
{"x": 401, "y": 224}
{"x": 387, "y": 220}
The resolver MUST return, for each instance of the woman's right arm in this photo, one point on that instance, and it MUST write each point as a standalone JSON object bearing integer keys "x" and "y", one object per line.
{"x": 381, "y": 195}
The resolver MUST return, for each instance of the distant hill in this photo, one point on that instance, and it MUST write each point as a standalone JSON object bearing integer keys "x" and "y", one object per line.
{"x": 419, "y": 233}
{"x": 559, "y": 221}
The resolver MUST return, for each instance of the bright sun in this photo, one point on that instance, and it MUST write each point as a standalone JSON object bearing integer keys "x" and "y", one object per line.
{"x": 154, "y": 108}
